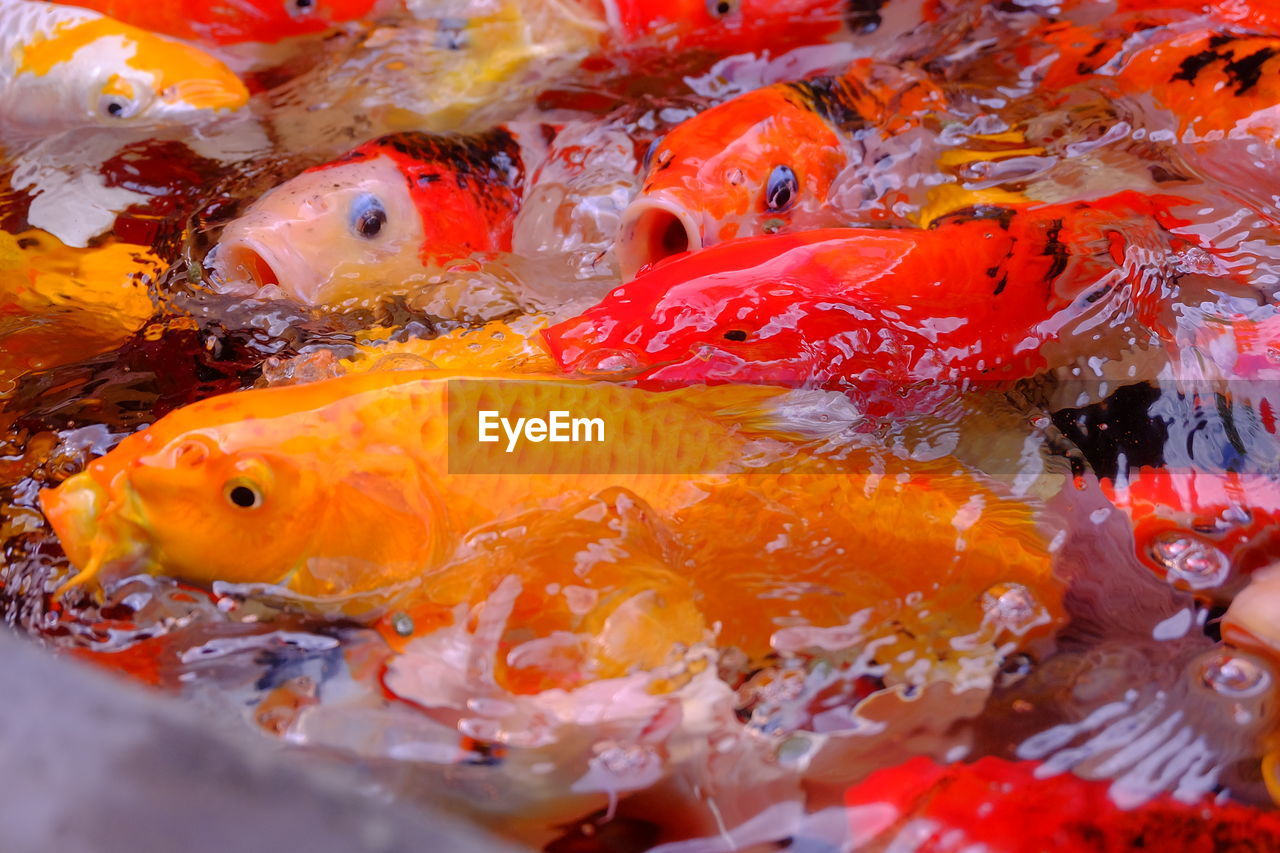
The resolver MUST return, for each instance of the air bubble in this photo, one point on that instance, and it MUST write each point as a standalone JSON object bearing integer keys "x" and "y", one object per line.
{"x": 1012, "y": 606}
{"x": 1235, "y": 675}
{"x": 1192, "y": 561}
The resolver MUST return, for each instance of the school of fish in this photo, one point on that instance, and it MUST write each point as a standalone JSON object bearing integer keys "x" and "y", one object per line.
{"x": 680, "y": 426}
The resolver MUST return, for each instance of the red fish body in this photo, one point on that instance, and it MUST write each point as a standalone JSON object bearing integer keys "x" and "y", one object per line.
{"x": 230, "y": 22}
{"x": 1000, "y": 806}
{"x": 972, "y": 299}
{"x": 726, "y": 26}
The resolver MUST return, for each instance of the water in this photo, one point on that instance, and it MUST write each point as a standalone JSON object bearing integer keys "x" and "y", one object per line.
{"x": 712, "y": 746}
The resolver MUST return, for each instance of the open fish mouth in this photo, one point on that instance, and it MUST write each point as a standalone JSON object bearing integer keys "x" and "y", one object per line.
{"x": 245, "y": 262}
{"x": 653, "y": 229}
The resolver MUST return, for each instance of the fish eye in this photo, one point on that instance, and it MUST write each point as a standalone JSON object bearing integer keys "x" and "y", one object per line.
{"x": 243, "y": 494}
{"x": 368, "y": 216}
{"x": 115, "y": 106}
{"x": 721, "y": 8}
{"x": 735, "y": 335}
{"x": 781, "y": 190}
{"x": 299, "y": 7}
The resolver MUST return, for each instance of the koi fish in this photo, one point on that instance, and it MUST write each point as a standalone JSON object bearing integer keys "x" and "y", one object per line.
{"x": 1211, "y": 82}
{"x": 63, "y": 68}
{"x": 728, "y": 26}
{"x": 764, "y": 162}
{"x": 378, "y": 217}
{"x": 231, "y": 23}
{"x": 393, "y": 211}
{"x": 348, "y": 487}
{"x": 1019, "y": 807}
{"x": 975, "y": 298}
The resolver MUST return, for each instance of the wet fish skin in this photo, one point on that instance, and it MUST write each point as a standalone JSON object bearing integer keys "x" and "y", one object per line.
{"x": 765, "y": 161}
{"x": 1008, "y": 806}
{"x": 971, "y": 299}
{"x": 63, "y": 68}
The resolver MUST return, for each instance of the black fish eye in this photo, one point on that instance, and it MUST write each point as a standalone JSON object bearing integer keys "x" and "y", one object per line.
{"x": 299, "y": 7}
{"x": 368, "y": 216}
{"x": 243, "y": 495}
{"x": 116, "y": 106}
{"x": 781, "y": 190}
{"x": 735, "y": 335}
{"x": 721, "y": 8}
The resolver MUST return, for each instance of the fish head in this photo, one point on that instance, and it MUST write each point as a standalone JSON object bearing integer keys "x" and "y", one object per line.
{"x": 763, "y": 309}
{"x": 324, "y": 235}
{"x": 116, "y": 75}
{"x": 761, "y": 163}
{"x": 375, "y": 218}
{"x": 724, "y": 26}
{"x": 199, "y": 504}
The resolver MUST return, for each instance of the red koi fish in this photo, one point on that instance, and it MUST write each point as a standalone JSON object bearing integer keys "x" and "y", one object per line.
{"x": 231, "y": 22}
{"x": 764, "y": 162}
{"x": 973, "y": 298}
{"x": 1003, "y": 806}
{"x": 731, "y": 26}
{"x": 377, "y": 217}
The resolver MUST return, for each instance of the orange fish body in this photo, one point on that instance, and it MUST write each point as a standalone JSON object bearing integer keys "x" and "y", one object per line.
{"x": 370, "y": 485}
{"x": 1214, "y": 83}
{"x": 763, "y": 162}
{"x": 59, "y": 304}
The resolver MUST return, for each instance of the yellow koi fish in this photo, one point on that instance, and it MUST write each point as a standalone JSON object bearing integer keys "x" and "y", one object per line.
{"x": 380, "y": 484}
{"x": 63, "y": 68}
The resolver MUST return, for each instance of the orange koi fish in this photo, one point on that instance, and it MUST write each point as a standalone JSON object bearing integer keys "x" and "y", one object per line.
{"x": 763, "y": 162}
{"x": 353, "y": 486}
{"x": 63, "y": 68}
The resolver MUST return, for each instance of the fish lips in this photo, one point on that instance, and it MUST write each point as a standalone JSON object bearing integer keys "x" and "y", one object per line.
{"x": 245, "y": 265}
{"x": 654, "y": 228}
{"x": 96, "y": 543}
